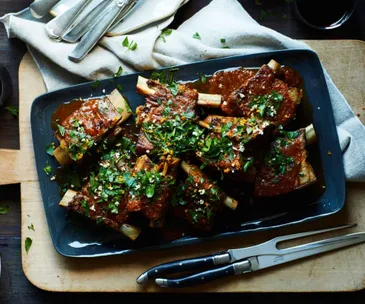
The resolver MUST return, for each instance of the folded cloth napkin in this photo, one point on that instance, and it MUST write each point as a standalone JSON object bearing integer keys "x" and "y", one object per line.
{"x": 156, "y": 48}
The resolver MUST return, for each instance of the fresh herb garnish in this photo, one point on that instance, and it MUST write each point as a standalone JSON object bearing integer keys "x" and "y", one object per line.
{"x": 47, "y": 169}
{"x": 130, "y": 45}
{"x": 119, "y": 87}
{"x": 95, "y": 84}
{"x": 174, "y": 88}
{"x": 225, "y": 45}
{"x": 203, "y": 78}
{"x": 165, "y": 33}
{"x": 248, "y": 163}
{"x": 86, "y": 207}
{"x": 4, "y": 209}
{"x": 215, "y": 148}
{"x": 164, "y": 76}
{"x": 31, "y": 227}
{"x": 28, "y": 244}
{"x": 290, "y": 134}
{"x": 61, "y": 129}
{"x": 174, "y": 136}
{"x": 12, "y": 110}
{"x": 119, "y": 72}
{"x": 268, "y": 104}
{"x": 277, "y": 160}
{"x": 196, "y": 36}
{"x": 50, "y": 148}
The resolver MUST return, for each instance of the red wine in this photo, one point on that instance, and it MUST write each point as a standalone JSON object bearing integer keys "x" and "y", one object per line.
{"x": 325, "y": 13}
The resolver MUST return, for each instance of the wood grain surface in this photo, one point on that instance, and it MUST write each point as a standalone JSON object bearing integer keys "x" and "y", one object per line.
{"x": 48, "y": 270}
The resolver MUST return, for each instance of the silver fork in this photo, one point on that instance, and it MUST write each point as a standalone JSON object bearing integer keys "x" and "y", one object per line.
{"x": 249, "y": 259}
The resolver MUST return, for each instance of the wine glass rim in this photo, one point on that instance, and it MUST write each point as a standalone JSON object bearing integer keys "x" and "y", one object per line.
{"x": 347, "y": 14}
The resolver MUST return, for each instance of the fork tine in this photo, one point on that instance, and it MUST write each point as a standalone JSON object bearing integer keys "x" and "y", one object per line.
{"x": 303, "y": 234}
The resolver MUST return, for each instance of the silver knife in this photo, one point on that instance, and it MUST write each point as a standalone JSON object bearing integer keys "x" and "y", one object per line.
{"x": 98, "y": 30}
{"x": 40, "y": 8}
{"x": 91, "y": 15}
{"x": 112, "y": 13}
{"x": 61, "y": 24}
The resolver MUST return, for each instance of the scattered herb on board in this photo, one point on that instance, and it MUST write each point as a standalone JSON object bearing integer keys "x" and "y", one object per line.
{"x": 12, "y": 110}
{"x": 119, "y": 72}
{"x": 50, "y": 148}
{"x": 28, "y": 244}
{"x": 47, "y": 169}
{"x": 197, "y": 36}
{"x": 31, "y": 227}
{"x": 165, "y": 33}
{"x": 95, "y": 84}
{"x": 4, "y": 209}
{"x": 130, "y": 45}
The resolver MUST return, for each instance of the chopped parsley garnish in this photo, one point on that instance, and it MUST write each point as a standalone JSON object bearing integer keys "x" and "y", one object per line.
{"x": 28, "y": 243}
{"x": 165, "y": 33}
{"x": 174, "y": 88}
{"x": 12, "y": 110}
{"x": 95, "y": 84}
{"x": 119, "y": 72}
{"x": 4, "y": 209}
{"x": 290, "y": 134}
{"x": 267, "y": 105}
{"x": 85, "y": 206}
{"x": 108, "y": 184}
{"x": 203, "y": 79}
{"x": 225, "y": 45}
{"x": 175, "y": 135}
{"x": 61, "y": 129}
{"x": 196, "y": 36}
{"x": 119, "y": 87}
{"x": 164, "y": 76}
{"x": 99, "y": 220}
{"x": 145, "y": 183}
{"x": 50, "y": 148}
{"x": 216, "y": 148}
{"x": 130, "y": 45}
{"x": 248, "y": 163}
{"x": 79, "y": 142}
{"x": 47, "y": 169}
{"x": 31, "y": 227}
{"x": 277, "y": 160}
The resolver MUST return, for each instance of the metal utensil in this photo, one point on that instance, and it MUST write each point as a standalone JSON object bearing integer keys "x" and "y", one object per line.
{"x": 243, "y": 260}
{"x": 83, "y": 23}
{"x": 97, "y": 31}
{"x": 40, "y": 8}
{"x": 61, "y": 24}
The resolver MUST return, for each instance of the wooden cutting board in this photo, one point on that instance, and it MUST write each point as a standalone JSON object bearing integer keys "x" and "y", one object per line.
{"x": 343, "y": 270}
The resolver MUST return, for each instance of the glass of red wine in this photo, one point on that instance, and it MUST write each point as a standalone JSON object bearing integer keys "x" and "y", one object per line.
{"x": 325, "y": 14}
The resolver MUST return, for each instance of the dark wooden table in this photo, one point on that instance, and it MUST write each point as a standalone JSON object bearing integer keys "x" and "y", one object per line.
{"x": 14, "y": 287}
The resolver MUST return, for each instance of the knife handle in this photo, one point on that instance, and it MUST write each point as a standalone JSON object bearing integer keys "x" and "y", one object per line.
{"x": 59, "y": 25}
{"x": 97, "y": 31}
{"x": 184, "y": 265}
{"x": 40, "y": 8}
{"x": 206, "y": 276}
